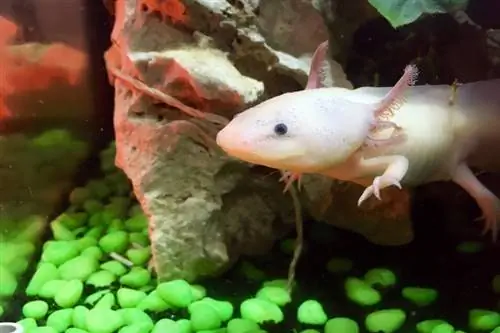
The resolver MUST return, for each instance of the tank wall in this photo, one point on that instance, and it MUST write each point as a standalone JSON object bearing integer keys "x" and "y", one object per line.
{"x": 55, "y": 113}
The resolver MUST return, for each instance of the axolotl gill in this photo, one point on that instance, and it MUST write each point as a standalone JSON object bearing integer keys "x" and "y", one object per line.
{"x": 406, "y": 135}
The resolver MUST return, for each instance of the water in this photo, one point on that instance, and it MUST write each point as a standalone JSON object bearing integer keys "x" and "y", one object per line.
{"x": 64, "y": 203}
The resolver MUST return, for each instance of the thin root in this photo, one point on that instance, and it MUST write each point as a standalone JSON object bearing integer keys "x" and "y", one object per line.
{"x": 167, "y": 99}
{"x": 300, "y": 238}
{"x": 121, "y": 259}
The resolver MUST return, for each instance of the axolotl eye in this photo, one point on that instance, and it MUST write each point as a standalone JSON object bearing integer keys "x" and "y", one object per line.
{"x": 280, "y": 129}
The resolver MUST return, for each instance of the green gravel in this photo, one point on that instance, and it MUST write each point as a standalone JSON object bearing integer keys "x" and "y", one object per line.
{"x": 93, "y": 278}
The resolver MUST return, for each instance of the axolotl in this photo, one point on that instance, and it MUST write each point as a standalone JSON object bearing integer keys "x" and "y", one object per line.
{"x": 406, "y": 135}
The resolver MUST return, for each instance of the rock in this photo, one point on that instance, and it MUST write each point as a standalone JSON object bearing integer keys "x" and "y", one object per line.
{"x": 384, "y": 222}
{"x": 204, "y": 208}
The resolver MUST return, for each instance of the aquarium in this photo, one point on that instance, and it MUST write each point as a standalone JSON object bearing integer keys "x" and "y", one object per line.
{"x": 246, "y": 166}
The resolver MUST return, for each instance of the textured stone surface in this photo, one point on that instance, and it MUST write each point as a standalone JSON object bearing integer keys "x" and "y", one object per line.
{"x": 205, "y": 209}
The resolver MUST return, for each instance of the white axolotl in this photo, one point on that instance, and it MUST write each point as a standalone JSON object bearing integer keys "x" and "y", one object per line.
{"x": 371, "y": 136}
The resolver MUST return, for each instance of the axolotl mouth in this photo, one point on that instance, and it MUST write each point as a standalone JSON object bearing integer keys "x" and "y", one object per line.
{"x": 249, "y": 149}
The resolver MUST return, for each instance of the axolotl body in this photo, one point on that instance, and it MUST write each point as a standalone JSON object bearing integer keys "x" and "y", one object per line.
{"x": 377, "y": 136}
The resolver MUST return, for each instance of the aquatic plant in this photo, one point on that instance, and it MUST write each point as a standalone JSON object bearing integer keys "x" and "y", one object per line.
{"x": 403, "y": 12}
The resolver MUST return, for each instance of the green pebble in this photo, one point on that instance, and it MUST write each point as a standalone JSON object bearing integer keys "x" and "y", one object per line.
{"x": 75, "y": 330}
{"x": 139, "y": 256}
{"x": 43, "y": 329}
{"x": 496, "y": 284}
{"x": 135, "y": 328}
{"x": 106, "y": 302}
{"x": 101, "y": 279}
{"x": 69, "y": 294}
{"x": 92, "y": 206}
{"x": 176, "y": 292}
{"x": 60, "y": 320}
{"x": 60, "y": 251}
{"x": 341, "y": 324}
{"x": 153, "y": 302}
{"x": 361, "y": 293}
{"x": 95, "y": 232}
{"x": 137, "y": 223}
{"x": 223, "y": 308}
{"x": 116, "y": 241}
{"x": 135, "y": 210}
{"x": 79, "y": 195}
{"x": 184, "y": 326}
{"x": 483, "y": 320}
{"x": 339, "y": 265}
{"x": 28, "y": 324}
{"x": 165, "y": 325}
{"x": 443, "y": 328}
{"x": 137, "y": 277}
{"x": 260, "y": 311}
{"x": 198, "y": 292}
{"x": 71, "y": 220}
{"x": 60, "y": 232}
{"x": 9, "y": 282}
{"x": 420, "y": 296}
{"x": 79, "y": 268}
{"x": 114, "y": 267}
{"x": 116, "y": 224}
{"x": 280, "y": 283}
{"x": 139, "y": 238}
{"x": 86, "y": 242}
{"x": 470, "y": 247}
{"x": 385, "y": 321}
{"x": 427, "y": 326}
{"x": 135, "y": 316}
{"x": 203, "y": 316}
{"x": 380, "y": 276}
{"x": 496, "y": 330}
{"x": 277, "y": 295}
{"x": 311, "y": 312}
{"x": 35, "y": 309}
{"x": 240, "y": 325}
{"x": 129, "y": 298}
{"x": 93, "y": 252}
{"x": 102, "y": 320}
{"x": 287, "y": 246}
{"x": 44, "y": 273}
{"x": 249, "y": 271}
{"x": 80, "y": 317}
{"x": 19, "y": 266}
{"x": 94, "y": 297}
{"x": 96, "y": 220}
{"x": 98, "y": 189}
{"x": 310, "y": 330}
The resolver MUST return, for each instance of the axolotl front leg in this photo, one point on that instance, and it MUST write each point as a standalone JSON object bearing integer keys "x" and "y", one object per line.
{"x": 391, "y": 168}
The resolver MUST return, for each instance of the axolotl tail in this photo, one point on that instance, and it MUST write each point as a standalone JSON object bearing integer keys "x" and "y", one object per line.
{"x": 479, "y": 102}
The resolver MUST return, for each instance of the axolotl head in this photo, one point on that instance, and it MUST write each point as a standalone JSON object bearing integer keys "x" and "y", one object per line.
{"x": 307, "y": 131}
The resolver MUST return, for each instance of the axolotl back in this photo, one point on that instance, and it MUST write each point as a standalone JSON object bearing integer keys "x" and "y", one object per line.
{"x": 298, "y": 130}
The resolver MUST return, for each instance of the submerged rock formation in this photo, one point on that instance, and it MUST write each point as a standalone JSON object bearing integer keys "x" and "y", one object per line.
{"x": 180, "y": 68}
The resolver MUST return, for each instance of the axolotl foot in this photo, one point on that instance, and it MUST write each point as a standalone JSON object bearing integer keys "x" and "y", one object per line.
{"x": 485, "y": 199}
{"x": 379, "y": 183}
{"x": 289, "y": 177}
{"x": 393, "y": 169}
{"x": 490, "y": 207}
